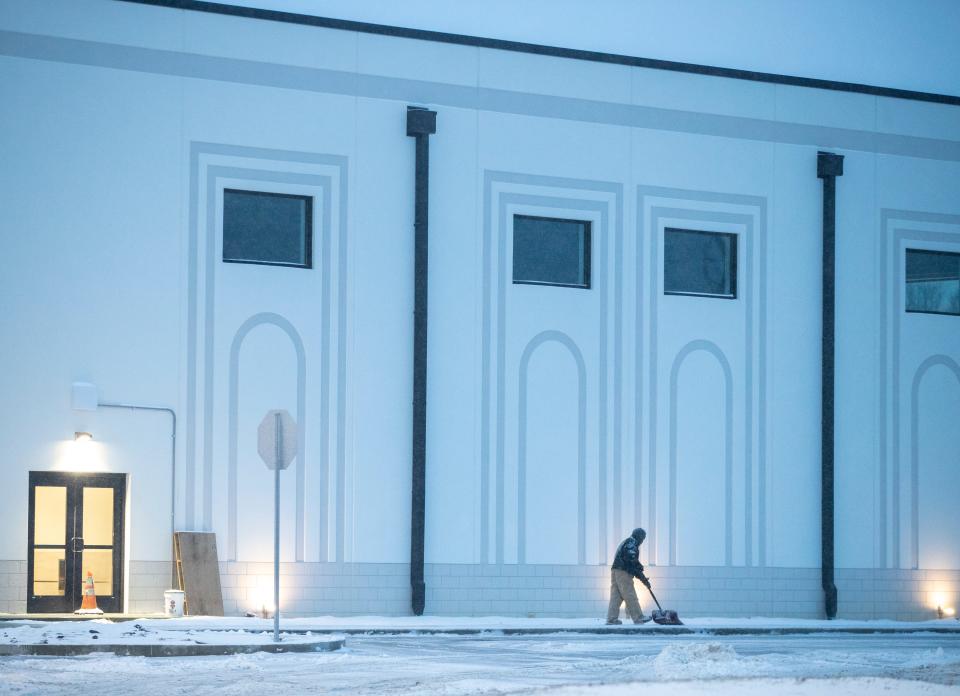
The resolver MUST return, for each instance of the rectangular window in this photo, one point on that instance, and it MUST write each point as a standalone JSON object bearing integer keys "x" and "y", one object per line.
{"x": 550, "y": 251}
{"x": 933, "y": 281}
{"x": 699, "y": 263}
{"x": 267, "y": 228}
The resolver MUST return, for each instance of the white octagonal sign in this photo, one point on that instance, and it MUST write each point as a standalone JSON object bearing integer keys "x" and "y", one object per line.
{"x": 277, "y": 439}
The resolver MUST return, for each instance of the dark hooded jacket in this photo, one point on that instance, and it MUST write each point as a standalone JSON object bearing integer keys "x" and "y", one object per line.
{"x": 627, "y": 557}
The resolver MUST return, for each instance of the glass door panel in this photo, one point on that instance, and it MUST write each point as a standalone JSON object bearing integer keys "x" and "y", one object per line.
{"x": 50, "y": 518}
{"x": 49, "y": 559}
{"x": 100, "y": 563}
{"x": 98, "y": 538}
{"x": 97, "y": 516}
{"x": 49, "y": 572}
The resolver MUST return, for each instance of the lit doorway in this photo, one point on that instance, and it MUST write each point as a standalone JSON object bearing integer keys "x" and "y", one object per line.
{"x": 75, "y": 526}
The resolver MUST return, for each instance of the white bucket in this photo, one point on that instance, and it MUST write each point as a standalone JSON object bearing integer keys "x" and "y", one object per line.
{"x": 173, "y": 602}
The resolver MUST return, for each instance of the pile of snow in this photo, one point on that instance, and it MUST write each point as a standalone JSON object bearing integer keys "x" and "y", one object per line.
{"x": 697, "y": 661}
{"x": 683, "y": 660}
{"x": 929, "y": 658}
{"x": 102, "y": 631}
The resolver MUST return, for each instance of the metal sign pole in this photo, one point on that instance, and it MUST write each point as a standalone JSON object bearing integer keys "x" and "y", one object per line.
{"x": 276, "y": 530}
{"x": 277, "y": 447}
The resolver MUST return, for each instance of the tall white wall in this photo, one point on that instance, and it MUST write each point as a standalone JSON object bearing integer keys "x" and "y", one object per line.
{"x": 559, "y": 418}
{"x": 91, "y": 279}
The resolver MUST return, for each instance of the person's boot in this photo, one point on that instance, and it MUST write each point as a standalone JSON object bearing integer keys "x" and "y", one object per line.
{"x": 614, "y": 622}
{"x": 643, "y": 619}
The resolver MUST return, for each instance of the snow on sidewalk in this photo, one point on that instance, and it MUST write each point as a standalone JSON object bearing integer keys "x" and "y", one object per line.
{"x": 500, "y": 623}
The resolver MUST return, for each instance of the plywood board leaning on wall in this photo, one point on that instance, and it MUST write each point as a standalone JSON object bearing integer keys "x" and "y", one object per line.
{"x": 198, "y": 572}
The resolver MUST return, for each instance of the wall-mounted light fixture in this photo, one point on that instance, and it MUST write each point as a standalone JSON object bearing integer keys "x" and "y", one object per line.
{"x": 943, "y": 602}
{"x": 80, "y": 454}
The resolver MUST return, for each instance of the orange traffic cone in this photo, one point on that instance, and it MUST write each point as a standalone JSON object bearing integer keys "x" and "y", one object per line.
{"x": 89, "y": 605}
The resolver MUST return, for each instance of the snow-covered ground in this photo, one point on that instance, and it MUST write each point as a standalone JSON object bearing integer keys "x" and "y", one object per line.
{"x": 493, "y": 663}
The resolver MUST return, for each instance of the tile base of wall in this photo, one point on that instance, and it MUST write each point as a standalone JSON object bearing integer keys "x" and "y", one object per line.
{"x": 147, "y": 581}
{"x": 537, "y": 590}
{"x": 382, "y": 589}
{"x": 13, "y": 587}
{"x": 901, "y": 595}
{"x": 561, "y": 590}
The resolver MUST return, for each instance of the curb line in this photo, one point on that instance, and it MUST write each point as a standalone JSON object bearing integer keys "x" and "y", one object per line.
{"x": 155, "y": 650}
{"x": 649, "y": 631}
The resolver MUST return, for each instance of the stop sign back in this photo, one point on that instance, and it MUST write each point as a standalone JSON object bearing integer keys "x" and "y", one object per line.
{"x": 277, "y": 439}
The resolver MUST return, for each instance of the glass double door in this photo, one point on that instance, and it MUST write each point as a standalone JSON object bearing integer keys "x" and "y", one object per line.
{"x": 75, "y": 528}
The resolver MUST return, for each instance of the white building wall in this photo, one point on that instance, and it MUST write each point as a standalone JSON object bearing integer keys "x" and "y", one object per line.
{"x": 559, "y": 418}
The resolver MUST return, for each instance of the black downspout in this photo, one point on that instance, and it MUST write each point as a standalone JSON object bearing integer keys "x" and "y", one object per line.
{"x": 421, "y": 123}
{"x": 829, "y": 167}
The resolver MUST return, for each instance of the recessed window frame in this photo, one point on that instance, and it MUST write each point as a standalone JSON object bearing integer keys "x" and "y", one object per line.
{"x": 587, "y": 247}
{"x": 734, "y": 267}
{"x": 938, "y": 252}
{"x": 307, "y": 224}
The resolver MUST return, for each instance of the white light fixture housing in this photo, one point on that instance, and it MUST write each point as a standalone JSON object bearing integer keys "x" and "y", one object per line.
{"x": 82, "y": 436}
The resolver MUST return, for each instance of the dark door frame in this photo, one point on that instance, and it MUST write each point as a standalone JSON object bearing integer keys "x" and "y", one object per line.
{"x": 73, "y": 540}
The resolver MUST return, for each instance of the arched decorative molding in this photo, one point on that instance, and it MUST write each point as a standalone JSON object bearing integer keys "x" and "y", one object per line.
{"x": 262, "y": 319}
{"x": 503, "y": 193}
{"x": 714, "y": 350}
{"x": 567, "y": 342}
{"x": 657, "y": 207}
{"x": 325, "y": 176}
{"x": 952, "y": 365}
{"x": 898, "y": 229}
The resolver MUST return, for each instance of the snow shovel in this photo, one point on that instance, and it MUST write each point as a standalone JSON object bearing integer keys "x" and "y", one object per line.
{"x": 664, "y": 618}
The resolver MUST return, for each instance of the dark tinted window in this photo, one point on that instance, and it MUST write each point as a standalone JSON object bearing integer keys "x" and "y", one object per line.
{"x": 933, "y": 282}
{"x": 269, "y": 228}
{"x": 699, "y": 263}
{"x": 550, "y": 251}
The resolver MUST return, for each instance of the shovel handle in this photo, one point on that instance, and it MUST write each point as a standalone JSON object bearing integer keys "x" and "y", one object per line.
{"x": 654, "y": 598}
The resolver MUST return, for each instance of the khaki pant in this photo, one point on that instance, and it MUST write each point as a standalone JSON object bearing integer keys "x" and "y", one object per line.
{"x": 622, "y": 590}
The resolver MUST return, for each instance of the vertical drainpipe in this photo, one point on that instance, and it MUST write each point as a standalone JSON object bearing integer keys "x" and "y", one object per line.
{"x": 421, "y": 124}
{"x": 829, "y": 167}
